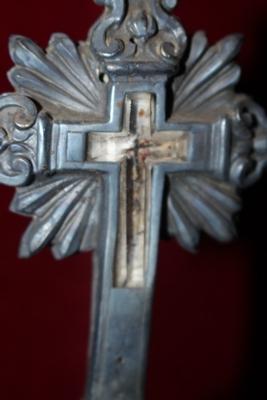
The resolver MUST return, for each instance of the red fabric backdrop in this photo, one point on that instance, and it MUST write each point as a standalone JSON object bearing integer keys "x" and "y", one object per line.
{"x": 209, "y": 336}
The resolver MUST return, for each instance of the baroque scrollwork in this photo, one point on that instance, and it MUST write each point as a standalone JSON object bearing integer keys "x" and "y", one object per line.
{"x": 138, "y": 31}
{"x": 18, "y": 116}
{"x": 249, "y": 145}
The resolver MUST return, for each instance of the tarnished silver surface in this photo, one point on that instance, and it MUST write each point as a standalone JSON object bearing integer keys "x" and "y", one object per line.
{"x": 91, "y": 137}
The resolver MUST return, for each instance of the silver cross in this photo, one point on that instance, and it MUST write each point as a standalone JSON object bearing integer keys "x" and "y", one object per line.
{"x": 94, "y": 135}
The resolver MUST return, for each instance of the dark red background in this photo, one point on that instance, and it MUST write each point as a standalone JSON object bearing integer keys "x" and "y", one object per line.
{"x": 209, "y": 335}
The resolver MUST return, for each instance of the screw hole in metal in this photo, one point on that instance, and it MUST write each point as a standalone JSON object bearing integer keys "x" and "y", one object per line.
{"x": 103, "y": 77}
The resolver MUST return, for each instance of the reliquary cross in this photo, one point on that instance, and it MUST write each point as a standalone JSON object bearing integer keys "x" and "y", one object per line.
{"x": 98, "y": 135}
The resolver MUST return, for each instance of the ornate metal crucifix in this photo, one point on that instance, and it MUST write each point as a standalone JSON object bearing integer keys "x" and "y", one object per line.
{"x": 94, "y": 134}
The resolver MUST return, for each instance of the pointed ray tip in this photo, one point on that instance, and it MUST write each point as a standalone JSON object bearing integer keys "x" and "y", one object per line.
{"x": 12, "y": 44}
{"x": 19, "y": 46}
{"x": 238, "y": 37}
{"x": 24, "y": 251}
{"x": 57, "y": 37}
{"x": 200, "y": 36}
{"x": 27, "y": 247}
{"x": 169, "y": 4}
{"x": 188, "y": 245}
{"x": 14, "y": 40}
{"x": 235, "y": 40}
{"x": 57, "y": 255}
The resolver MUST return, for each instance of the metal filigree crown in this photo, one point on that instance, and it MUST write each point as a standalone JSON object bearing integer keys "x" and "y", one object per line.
{"x": 138, "y": 37}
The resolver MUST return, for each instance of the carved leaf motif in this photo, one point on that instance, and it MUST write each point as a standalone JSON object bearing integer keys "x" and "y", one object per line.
{"x": 200, "y": 203}
{"x": 205, "y": 88}
{"x": 65, "y": 211}
{"x": 63, "y": 80}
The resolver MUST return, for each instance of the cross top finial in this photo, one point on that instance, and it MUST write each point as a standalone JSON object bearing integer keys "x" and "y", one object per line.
{"x": 137, "y": 37}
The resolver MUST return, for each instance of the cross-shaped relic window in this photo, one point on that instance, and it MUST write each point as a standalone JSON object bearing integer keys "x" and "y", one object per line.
{"x": 137, "y": 147}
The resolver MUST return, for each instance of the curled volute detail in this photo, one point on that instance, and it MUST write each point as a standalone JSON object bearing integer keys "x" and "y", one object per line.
{"x": 249, "y": 143}
{"x": 146, "y": 34}
{"x": 18, "y": 129}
